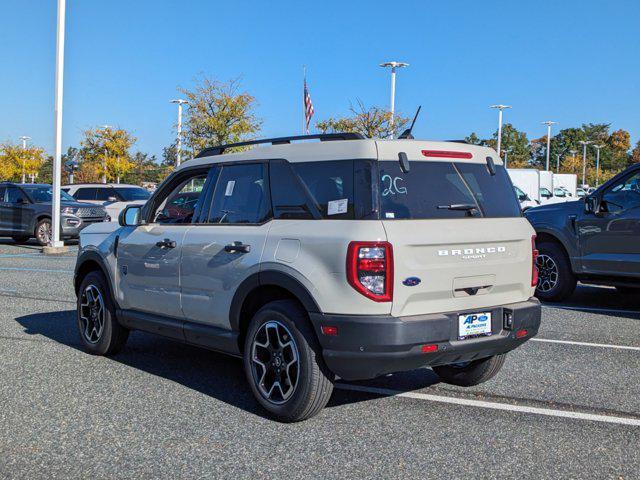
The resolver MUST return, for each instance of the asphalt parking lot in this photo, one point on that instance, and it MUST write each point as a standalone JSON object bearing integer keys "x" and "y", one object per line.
{"x": 566, "y": 405}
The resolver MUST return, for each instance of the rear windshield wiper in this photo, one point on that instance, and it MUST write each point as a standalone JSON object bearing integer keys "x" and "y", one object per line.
{"x": 458, "y": 206}
{"x": 467, "y": 207}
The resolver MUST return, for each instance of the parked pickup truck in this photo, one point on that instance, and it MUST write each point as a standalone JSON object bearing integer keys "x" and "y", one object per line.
{"x": 591, "y": 240}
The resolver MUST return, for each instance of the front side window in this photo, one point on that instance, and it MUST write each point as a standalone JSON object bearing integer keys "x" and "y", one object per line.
{"x": 623, "y": 195}
{"x": 241, "y": 195}
{"x": 432, "y": 190}
{"x": 15, "y": 195}
{"x": 103, "y": 194}
{"x": 180, "y": 205}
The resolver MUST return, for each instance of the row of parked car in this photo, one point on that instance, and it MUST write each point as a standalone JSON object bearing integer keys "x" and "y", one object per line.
{"x": 25, "y": 209}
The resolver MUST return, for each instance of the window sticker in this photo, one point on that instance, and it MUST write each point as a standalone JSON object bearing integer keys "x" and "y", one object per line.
{"x": 230, "y": 186}
{"x": 390, "y": 215}
{"x": 336, "y": 207}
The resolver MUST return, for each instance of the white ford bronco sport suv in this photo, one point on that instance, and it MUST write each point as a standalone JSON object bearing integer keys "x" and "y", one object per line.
{"x": 347, "y": 257}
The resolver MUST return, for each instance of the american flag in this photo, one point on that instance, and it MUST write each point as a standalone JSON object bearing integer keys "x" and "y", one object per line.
{"x": 308, "y": 106}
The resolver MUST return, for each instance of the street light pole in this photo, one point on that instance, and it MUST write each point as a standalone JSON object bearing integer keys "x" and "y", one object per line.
{"x": 584, "y": 144}
{"x": 393, "y": 65}
{"x": 548, "y": 123}
{"x": 24, "y": 139}
{"x": 598, "y": 147}
{"x": 104, "y": 163}
{"x": 55, "y": 242}
{"x": 500, "y": 108}
{"x": 507, "y": 151}
{"x": 557, "y": 163}
{"x": 180, "y": 102}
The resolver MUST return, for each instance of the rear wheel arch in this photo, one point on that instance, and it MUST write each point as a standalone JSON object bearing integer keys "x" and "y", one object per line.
{"x": 546, "y": 237}
{"x": 261, "y": 288}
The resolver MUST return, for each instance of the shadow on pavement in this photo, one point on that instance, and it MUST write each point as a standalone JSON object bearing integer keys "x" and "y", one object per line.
{"x": 588, "y": 298}
{"x": 213, "y": 374}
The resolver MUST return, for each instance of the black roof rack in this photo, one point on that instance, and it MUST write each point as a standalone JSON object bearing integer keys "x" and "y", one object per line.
{"x": 323, "y": 137}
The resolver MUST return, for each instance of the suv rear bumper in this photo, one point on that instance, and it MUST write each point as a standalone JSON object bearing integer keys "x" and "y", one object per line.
{"x": 368, "y": 346}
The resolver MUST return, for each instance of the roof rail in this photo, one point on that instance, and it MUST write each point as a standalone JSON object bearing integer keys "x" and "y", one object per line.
{"x": 323, "y": 137}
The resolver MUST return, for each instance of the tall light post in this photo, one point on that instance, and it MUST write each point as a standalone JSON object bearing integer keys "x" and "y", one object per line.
{"x": 24, "y": 139}
{"x": 598, "y": 147}
{"x": 548, "y": 123}
{"x": 105, "y": 128}
{"x": 54, "y": 243}
{"x": 507, "y": 151}
{"x": 500, "y": 108}
{"x": 180, "y": 102}
{"x": 393, "y": 65}
{"x": 584, "y": 144}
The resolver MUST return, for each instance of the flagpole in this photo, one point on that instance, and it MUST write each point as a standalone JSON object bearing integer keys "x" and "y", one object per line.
{"x": 304, "y": 106}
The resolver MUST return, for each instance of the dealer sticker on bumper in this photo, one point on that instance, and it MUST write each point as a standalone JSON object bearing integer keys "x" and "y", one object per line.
{"x": 474, "y": 324}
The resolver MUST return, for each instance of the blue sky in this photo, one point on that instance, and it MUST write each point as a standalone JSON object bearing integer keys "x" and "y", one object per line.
{"x": 569, "y": 61}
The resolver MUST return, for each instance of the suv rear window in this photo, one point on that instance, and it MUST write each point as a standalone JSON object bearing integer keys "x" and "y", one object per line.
{"x": 429, "y": 185}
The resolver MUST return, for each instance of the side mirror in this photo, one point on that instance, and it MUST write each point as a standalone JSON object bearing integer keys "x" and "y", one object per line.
{"x": 591, "y": 205}
{"x": 522, "y": 198}
{"x": 112, "y": 199}
{"x": 130, "y": 216}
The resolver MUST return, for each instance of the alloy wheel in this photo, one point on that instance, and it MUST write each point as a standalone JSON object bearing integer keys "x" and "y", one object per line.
{"x": 92, "y": 314}
{"x": 548, "y": 273}
{"x": 44, "y": 233}
{"x": 275, "y": 362}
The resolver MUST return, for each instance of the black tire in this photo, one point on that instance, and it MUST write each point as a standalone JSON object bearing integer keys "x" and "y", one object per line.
{"x": 556, "y": 280}
{"x": 476, "y": 372}
{"x": 23, "y": 239}
{"x": 42, "y": 227}
{"x": 287, "y": 322}
{"x": 111, "y": 337}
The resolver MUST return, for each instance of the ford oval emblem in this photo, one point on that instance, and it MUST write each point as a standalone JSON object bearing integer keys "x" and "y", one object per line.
{"x": 411, "y": 281}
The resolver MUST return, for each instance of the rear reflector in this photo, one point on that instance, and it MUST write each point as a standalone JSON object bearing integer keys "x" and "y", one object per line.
{"x": 329, "y": 330}
{"x": 429, "y": 348}
{"x": 521, "y": 333}
{"x": 534, "y": 266}
{"x": 446, "y": 154}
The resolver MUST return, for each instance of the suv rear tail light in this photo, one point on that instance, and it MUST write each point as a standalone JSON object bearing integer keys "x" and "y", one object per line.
{"x": 370, "y": 269}
{"x": 534, "y": 266}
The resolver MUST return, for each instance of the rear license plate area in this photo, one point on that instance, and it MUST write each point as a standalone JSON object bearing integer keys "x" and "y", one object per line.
{"x": 471, "y": 325}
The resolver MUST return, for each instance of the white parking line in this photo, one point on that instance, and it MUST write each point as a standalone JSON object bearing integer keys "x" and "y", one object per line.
{"x": 587, "y": 344}
{"x": 493, "y": 405}
{"x": 591, "y": 309}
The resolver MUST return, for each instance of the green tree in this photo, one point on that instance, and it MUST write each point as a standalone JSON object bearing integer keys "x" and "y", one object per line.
{"x": 516, "y": 143}
{"x": 618, "y": 145}
{"x": 218, "y": 113}
{"x": 473, "y": 139}
{"x": 372, "y": 122}
{"x": 105, "y": 151}
{"x": 21, "y": 162}
{"x": 635, "y": 154}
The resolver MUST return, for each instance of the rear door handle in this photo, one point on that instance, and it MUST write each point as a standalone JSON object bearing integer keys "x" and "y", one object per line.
{"x": 166, "y": 243}
{"x": 237, "y": 247}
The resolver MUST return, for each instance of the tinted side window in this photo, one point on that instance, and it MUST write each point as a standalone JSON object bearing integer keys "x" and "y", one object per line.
{"x": 330, "y": 184}
{"x": 14, "y": 195}
{"x": 2, "y": 190}
{"x": 493, "y": 192}
{"x": 241, "y": 195}
{"x": 623, "y": 195}
{"x": 103, "y": 193}
{"x": 85, "y": 194}
{"x": 288, "y": 197}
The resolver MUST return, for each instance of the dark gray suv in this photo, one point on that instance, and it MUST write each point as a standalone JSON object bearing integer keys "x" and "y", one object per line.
{"x": 25, "y": 212}
{"x": 592, "y": 240}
